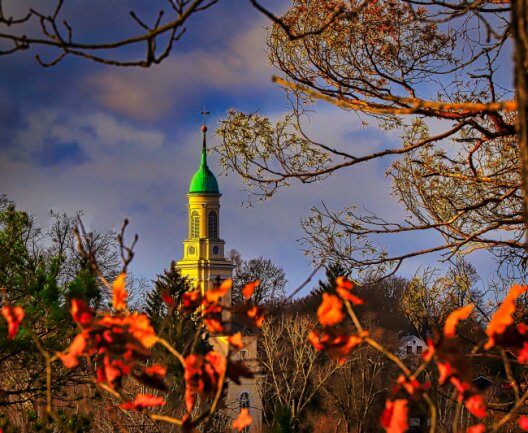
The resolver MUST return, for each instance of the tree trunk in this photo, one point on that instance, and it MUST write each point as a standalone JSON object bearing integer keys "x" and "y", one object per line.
{"x": 520, "y": 57}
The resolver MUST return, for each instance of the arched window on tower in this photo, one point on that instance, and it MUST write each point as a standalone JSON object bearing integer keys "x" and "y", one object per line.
{"x": 213, "y": 225}
{"x": 195, "y": 224}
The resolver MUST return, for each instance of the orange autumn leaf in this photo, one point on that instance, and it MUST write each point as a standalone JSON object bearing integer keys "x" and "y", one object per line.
{"x": 479, "y": 428}
{"x": 249, "y": 288}
{"x": 191, "y": 301}
{"x": 329, "y": 312}
{"x": 214, "y": 295}
{"x": 235, "y": 340}
{"x": 142, "y": 401}
{"x": 203, "y": 376}
{"x": 76, "y": 348}
{"x": 504, "y": 315}
{"x": 523, "y": 422}
{"x": 461, "y": 386}
{"x": 344, "y": 283}
{"x": 108, "y": 372}
{"x": 453, "y": 319}
{"x": 475, "y": 404}
{"x": 445, "y": 370}
{"x": 256, "y": 314}
{"x": 343, "y": 289}
{"x": 243, "y": 420}
{"x": 13, "y": 316}
{"x": 336, "y": 344}
{"x": 119, "y": 292}
{"x": 155, "y": 370}
{"x": 138, "y": 325}
{"x": 213, "y": 326}
{"x": 394, "y": 417}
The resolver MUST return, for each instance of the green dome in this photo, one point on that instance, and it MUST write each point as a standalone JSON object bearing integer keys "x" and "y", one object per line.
{"x": 204, "y": 180}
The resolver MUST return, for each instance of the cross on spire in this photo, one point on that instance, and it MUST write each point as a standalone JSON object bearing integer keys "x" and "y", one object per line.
{"x": 204, "y": 115}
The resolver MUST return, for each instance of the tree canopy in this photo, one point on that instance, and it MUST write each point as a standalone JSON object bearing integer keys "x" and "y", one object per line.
{"x": 404, "y": 65}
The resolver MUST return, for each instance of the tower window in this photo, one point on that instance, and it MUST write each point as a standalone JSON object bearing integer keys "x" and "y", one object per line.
{"x": 244, "y": 400}
{"x": 195, "y": 224}
{"x": 213, "y": 225}
{"x": 244, "y": 403}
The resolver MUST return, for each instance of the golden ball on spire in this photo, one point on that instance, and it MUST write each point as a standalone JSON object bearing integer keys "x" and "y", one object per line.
{"x": 204, "y": 128}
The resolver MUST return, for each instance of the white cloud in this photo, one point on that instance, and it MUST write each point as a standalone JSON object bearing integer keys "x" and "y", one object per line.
{"x": 240, "y": 65}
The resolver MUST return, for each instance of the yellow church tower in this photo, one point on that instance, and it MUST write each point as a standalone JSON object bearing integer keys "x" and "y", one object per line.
{"x": 203, "y": 251}
{"x": 205, "y": 265}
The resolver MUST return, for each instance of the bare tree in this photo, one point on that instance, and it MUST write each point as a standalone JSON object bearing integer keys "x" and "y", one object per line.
{"x": 293, "y": 371}
{"x": 272, "y": 278}
{"x": 51, "y": 25}
{"x": 357, "y": 387}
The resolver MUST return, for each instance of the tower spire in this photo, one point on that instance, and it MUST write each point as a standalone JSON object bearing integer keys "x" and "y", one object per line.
{"x": 204, "y": 114}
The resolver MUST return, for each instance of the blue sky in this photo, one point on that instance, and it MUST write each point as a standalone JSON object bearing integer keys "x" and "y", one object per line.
{"x": 122, "y": 143}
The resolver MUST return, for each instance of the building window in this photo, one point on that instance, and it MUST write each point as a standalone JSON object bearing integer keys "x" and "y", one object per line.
{"x": 243, "y": 400}
{"x": 244, "y": 403}
{"x": 195, "y": 224}
{"x": 418, "y": 349}
{"x": 409, "y": 350}
{"x": 213, "y": 225}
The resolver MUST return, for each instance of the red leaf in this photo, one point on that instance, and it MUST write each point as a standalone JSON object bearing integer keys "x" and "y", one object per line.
{"x": 344, "y": 283}
{"x": 479, "y": 428}
{"x": 523, "y": 422}
{"x": 119, "y": 292}
{"x": 522, "y": 356}
{"x": 412, "y": 386}
{"x": 445, "y": 370}
{"x": 155, "y": 370}
{"x": 13, "y": 316}
{"x": 329, "y": 312}
{"x": 142, "y": 401}
{"x": 394, "y": 418}
{"x": 202, "y": 376}
{"x": 336, "y": 344}
{"x": 460, "y": 385}
{"x": 249, "y": 288}
{"x": 475, "y": 404}
{"x": 168, "y": 299}
{"x": 243, "y": 420}
{"x": 503, "y": 316}
{"x": 80, "y": 312}
{"x": 191, "y": 301}
{"x": 343, "y": 290}
{"x": 110, "y": 372}
{"x": 453, "y": 319}
{"x": 257, "y": 315}
{"x": 428, "y": 354}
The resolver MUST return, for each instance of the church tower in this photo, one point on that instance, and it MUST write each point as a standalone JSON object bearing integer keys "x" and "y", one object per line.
{"x": 205, "y": 265}
{"x": 203, "y": 250}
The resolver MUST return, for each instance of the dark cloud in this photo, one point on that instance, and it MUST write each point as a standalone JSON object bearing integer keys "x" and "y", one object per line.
{"x": 55, "y": 153}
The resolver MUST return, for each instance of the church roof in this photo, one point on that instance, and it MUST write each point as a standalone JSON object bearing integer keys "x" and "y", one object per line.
{"x": 204, "y": 180}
